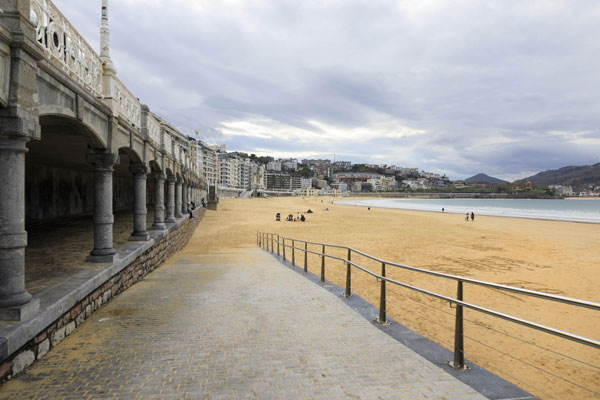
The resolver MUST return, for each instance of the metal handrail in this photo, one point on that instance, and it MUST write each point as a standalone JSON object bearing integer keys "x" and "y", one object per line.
{"x": 547, "y": 296}
{"x": 459, "y": 345}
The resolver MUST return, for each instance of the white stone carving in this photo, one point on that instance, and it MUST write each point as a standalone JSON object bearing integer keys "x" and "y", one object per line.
{"x": 168, "y": 142}
{"x": 63, "y": 44}
{"x": 154, "y": 130}
{"x": 129, "y": 106}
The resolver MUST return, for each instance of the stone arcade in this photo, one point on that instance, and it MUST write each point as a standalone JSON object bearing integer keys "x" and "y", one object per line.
{"x": 74, "y": 141}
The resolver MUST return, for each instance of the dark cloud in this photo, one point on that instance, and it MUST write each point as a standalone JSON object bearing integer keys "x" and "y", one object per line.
{"x": 508, "y": 88}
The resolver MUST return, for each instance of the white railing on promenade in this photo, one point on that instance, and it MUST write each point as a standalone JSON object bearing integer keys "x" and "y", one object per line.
{"x": 63, "y": 44}
{"x": 154, "y": 130}
{"x": 129, "y": 106}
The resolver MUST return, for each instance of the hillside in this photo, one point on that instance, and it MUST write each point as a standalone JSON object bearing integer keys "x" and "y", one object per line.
{"x": 576, "y": 176}
{"x": 483, "y": 178}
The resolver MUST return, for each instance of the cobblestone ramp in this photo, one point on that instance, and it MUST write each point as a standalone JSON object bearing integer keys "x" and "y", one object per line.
{"x": 231, "y": 326}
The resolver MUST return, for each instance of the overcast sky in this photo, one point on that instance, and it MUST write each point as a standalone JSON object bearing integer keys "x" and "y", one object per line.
{"x": 507, "y": 88}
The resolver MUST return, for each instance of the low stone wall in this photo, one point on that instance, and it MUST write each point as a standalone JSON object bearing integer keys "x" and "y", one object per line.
{"x": 62, "y": 327}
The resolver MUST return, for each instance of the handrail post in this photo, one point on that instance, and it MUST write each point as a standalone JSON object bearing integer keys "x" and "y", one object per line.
{"x": 284, "y": 249}
{"x": 348, "y": 293}
{"x": 272, "y": 238}
{"x": 323, "y": 265}
{"x": 305, "y": 257}
{"x": 459, "y": 346}
{"x": 293, "y": 252}
{"x": 382, "y": 306}
{"x": 278, "y": 240}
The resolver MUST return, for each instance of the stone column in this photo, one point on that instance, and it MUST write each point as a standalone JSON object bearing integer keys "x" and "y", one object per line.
{"x": 184, "y": 197}
{"x": 15, "y": 301}
{"x": 140, "y": 211}
{"x": 178, "y": 198}
{"x": 103, "y": 206}
{"x": 171, "y": 199}
{"x": 159, "y": 201}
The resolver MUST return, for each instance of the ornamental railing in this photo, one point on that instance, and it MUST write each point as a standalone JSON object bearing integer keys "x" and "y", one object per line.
{"x": 64, "y": 46}
{"x": 287, "y": 248}
{"x": 129, "y": 106}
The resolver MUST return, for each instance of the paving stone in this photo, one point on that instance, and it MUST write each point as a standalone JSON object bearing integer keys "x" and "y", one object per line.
{"x": 236, "y": 326}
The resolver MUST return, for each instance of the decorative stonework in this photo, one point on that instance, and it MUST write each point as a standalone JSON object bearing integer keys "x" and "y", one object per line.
{"x": 64, "y": 46}
{"x": 129, "y": 106}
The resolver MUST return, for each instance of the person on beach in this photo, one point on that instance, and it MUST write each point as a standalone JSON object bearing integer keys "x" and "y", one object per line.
{"x": 472, "y": 216}
{"x": 302, "y": 218}
{"x": 442, "y": 209}
{"x": 369, "y": 208}
{"x": 467, "y": 217}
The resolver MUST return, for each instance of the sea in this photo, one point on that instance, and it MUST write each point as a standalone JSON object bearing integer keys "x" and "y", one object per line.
{"x": 584, "y": 210}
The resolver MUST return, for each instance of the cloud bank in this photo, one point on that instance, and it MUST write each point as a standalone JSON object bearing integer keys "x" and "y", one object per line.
{"x": 507, "y": 88}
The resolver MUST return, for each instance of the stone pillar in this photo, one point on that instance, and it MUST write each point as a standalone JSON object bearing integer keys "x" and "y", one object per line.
{"x": 140, "y": 211}
{"x": 178, "y": 198}
{"x": 103, "y": 206}
{"x": 171, "y": 199}
{"x": 184, "y": 197}
{"x": 15, "y": 301}
{"x": 159, "y": 201}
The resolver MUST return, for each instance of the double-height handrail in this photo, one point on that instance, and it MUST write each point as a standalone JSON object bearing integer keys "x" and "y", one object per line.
{"x": 267, "y": 240}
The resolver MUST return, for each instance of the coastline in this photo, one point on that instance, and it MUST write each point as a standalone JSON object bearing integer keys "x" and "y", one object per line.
{"x": 479, "y": 213}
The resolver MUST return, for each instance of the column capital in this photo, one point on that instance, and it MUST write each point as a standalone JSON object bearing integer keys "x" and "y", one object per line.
{"x": 159, "y": 176}
{"x": 171, "y": 179}
{"x": 102, "y": 160}
{"x": 138, "y": 169}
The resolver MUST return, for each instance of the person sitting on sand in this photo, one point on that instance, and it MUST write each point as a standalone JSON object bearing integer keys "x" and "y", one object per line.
{"x": 309, "y": 211}
{"x": 302, "y": 218}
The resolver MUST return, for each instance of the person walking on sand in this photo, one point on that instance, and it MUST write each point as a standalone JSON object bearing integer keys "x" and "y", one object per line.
{"x": 472, "y": 216}
{"x": 467, "y": 217}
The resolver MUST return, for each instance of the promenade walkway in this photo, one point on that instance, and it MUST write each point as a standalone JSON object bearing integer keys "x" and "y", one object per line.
{"x": 231, "y": 326}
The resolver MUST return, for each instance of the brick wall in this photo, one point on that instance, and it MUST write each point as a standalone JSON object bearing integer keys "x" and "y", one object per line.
{"x": 151, "y": 259}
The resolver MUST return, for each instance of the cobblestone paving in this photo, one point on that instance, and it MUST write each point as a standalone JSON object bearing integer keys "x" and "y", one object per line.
{"x": 237, "y": 326}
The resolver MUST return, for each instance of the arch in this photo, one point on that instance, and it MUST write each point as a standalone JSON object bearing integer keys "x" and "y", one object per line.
{"x": 154, "y": 166}
{"x": 68, "y": 124}
{"x": 132, "y": 154}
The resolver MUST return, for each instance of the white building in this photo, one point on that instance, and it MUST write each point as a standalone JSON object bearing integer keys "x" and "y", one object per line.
{"x": 274, "y": 165}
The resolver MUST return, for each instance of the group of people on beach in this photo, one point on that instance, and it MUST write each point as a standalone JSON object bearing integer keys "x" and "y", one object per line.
{"x": 472, "y": 216}
{"x": 290, "y": 217}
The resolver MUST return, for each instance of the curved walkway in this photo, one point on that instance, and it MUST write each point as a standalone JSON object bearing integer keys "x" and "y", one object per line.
{"x": 231, "y": 326}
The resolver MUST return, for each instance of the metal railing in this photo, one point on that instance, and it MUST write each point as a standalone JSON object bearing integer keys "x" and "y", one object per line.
{"x": 273, "y": 241}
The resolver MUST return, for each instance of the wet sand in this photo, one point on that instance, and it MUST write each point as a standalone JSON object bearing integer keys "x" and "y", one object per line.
{"x": 548, "y": 256}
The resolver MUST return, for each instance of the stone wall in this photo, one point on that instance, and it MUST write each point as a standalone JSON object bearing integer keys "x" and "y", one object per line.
{"x": 62, "y": 327}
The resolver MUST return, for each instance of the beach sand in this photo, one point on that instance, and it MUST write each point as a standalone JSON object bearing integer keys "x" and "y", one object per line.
{"x": 553, "y": 257}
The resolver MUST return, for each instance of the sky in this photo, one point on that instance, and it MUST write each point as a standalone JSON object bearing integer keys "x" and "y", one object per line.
{"x": 508, "y": 88}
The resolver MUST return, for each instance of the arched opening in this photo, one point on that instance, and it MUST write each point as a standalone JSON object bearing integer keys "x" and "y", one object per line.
{"x": 59, "y": 201}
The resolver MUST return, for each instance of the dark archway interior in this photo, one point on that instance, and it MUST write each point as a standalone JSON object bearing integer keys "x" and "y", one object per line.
{"x": 59, "y": 193}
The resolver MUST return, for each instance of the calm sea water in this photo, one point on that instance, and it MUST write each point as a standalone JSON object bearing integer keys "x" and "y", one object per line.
{"x": 560, "y": 210}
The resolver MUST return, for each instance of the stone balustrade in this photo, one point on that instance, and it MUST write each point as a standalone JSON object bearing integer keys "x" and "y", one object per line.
{"x": 129, "y": 105}
{"x": 65, "y": 47}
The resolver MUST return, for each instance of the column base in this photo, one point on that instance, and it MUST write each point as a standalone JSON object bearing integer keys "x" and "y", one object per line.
{"x": 212, "y": 205}
{"x": 159, "y": 226}
{"x": 178, "y": 215}
{"x": 101, "y": 256}
{"x": 20, "y": 313}
{"x": 171, "y": 220}
{"x": 139, "y": 237}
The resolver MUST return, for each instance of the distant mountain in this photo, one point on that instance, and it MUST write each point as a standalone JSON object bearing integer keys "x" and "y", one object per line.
{"x": 483, "y": 178}
{"x": 576, "y": 176}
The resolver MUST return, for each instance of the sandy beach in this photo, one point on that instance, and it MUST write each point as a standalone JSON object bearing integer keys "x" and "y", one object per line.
{"x": 548, "y": 256}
